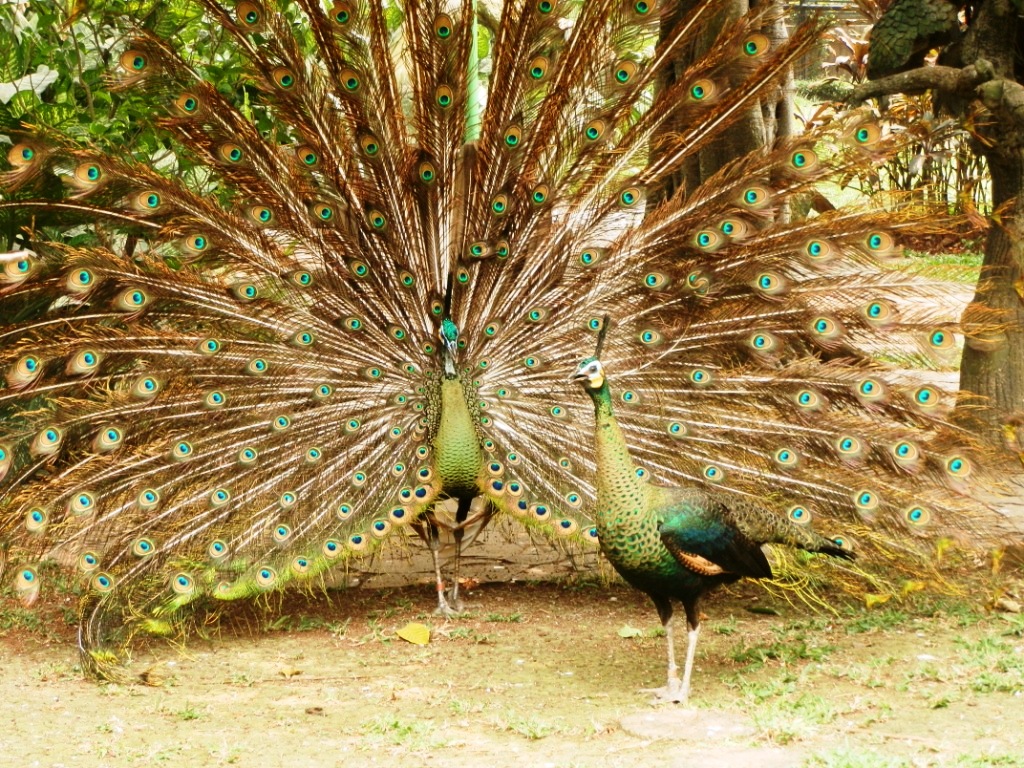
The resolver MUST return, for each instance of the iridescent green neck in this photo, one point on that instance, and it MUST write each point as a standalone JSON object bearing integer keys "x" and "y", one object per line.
{"x": 619, "y": 490}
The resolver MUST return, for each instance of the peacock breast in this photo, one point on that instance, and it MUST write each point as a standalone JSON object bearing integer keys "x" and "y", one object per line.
{"x": 630, "y": 538}
{"x": 458, "y": 456}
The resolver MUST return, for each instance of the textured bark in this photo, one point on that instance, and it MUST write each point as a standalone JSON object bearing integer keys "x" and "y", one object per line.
{"x": 993, "y": 360}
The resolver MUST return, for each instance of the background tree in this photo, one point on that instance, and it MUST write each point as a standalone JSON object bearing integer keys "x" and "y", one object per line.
{"x": 978, "y": 75}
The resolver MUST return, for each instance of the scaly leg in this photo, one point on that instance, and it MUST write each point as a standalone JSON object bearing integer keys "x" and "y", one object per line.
{"x": 673, "y": 687}
{"x": 458, "y": 531}
{"x": 691, "y": 652}
{"x": 434, "y": 544}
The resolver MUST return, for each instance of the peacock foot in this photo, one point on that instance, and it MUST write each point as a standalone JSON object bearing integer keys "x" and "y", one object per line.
{"x": 673, "y": 693}
{"x": 448, "y": 610}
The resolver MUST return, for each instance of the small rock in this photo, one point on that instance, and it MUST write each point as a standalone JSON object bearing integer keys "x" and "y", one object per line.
{"x": 1006, "y": 605}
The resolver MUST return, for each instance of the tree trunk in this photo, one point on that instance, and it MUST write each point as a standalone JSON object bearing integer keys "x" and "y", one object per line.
{"x": 993, "y": 359}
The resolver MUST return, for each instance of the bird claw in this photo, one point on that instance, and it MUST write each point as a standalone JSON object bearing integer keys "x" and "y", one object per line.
{"x": 448, "y": 610}
{"x": 672, "y": 693}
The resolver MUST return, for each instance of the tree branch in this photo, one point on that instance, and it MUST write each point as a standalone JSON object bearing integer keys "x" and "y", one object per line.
{"x": 945, "y": 79}
{"x": 1006, "y": 97}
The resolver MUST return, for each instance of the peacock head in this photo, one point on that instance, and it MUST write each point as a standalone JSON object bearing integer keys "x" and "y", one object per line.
{"x": 590, "y": 373}
{"x": 449, "y": 334}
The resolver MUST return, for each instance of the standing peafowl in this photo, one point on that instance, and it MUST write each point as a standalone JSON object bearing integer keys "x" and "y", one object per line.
{"x": 678, "y": 543}
{"x": 335, "y": 304}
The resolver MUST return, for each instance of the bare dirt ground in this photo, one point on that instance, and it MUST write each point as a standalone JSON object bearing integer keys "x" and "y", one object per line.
{"x": 535, "y": 675}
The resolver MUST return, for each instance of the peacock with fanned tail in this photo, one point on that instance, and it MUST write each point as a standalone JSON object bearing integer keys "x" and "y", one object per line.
{"x": 344, "y": 301}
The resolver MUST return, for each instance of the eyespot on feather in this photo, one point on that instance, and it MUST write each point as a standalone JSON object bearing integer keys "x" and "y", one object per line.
{"x": 80, "y": 281}
{"x": 756, "y": 45}
{"x": 342, "y": 13}
{"x": 6, "y": 459}
{"x": 595, "y": 129}
{"x": 917, "y": 516}
{"x": 369, "y": 145}
{"x": 824, "y": 328}
{"x": 443, "y": 26}
{"x": 809, "y": 400}
{"x": 926, "y": 398}
{"x": 755, "y": 198}
{"x": 702, "y": 91}
{"x": 36, "y": 520}
{"x": 708, "y": 240}
{"x": 866, "y": 500}
{"x": 188, "y": 105}
{"x": 538, "y": 69}
{"x": 905, "y": 453}
{"x": 881, "y": 245}
{"x": 444, "y": 97}
{"x": 804, "y": 160}
{"x": 770, "y": 284}
{"x": 260, "y": 214}
{"x": 849, "y": 447}
{"x": 88, "y": 175}
{"x": 131, "y": 300}
{"x": 108, "y": 439}
{"x": 26, "y": 369}
{"x": 194, "y": 245}
{"x": 249, "y": 15}
{"x": 17, "y": 268}
{"x": 871, "y": 390}
{"x": 566, "y": 526}
{"x": 148, "y": 499}
{"x": 350, "y": 80}
{"x": 642, "y": 8}
{"x": 818, "y": 251}
{"x": 148, "y": 201}
{"x": 624, "y": 71}
{"x": 47, "y": 442}
{"x": 865, "y": 135}
{"x": 283, "y": 78}
{"x": 426, "y": 172}
{"x": 146, "y": 387}
{"x": 786, "y": 457}
{"x": 23, "y": 155}
{"x": 736, "y": 230}
{"x": 763, "y": 342}
{"x": 958, "y": 467}
{"x": 879, "y": 312}
{"x": 630, "y": 197}
{"x": 799, "y": 514}
{"x": 941, "y": 340}
{"x": 133, "y": 62}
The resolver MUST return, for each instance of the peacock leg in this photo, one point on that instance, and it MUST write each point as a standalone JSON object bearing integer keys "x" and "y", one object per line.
{"x": 691, "y": 652}
{"x": 674, "y": 690}
{"x": 458, "y": 531}
{"x": 693, "y": 627}
{"x": 434, "y": 545}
